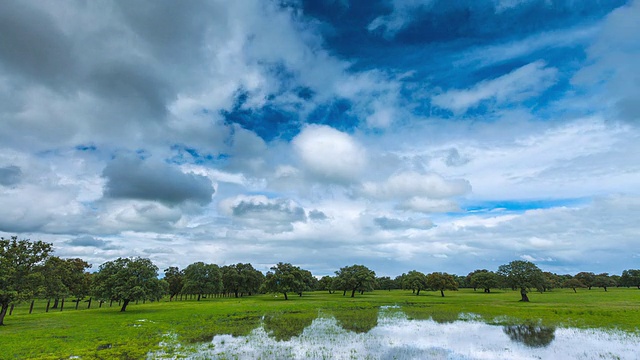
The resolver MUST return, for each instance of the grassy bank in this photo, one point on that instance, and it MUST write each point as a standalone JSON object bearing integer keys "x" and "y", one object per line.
{"x": 105, "y": 333}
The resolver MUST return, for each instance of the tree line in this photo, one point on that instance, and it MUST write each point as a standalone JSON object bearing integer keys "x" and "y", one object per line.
{"x": 28, "y": 270}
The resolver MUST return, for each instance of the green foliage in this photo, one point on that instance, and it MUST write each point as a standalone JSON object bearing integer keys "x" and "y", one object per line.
{"x": 20, "y": 271}
{"x": 523, "y": 275}
{"x": 201, "y": 279}
{"x": 416, "y": 281}
{"x": 175, "y": 280}
{"x": 356, "y": 278}
{"x": 325, "y": 284}
{"x": 285, "y": 278}
{"x": 630, "y": 277}
{"x": 441, "y": 281}
{"x": 587, "y": 278}
{"x": 604, "y": 281}
{"x": 241, "y": 279}
{"x": 573, "y": 284}
{"x": 128, "y": 279}
{"x": 486, "y": 280}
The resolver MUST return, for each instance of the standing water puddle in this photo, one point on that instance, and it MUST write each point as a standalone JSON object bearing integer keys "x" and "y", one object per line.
{"x": 397, "y": 337}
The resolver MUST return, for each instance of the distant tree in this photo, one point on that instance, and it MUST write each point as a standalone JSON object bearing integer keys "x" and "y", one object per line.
{"x": 128, "y": 279}
{"x": 485, "y": 280}
{"x": 385, "y": 283}
{"x": 469, "y": 278}
{"x": 285, "y": 278}
{"x": 325, "y": 284}
{"x": 630, "y": 277}
{"x": 416, "y": 281}
{"x": 587, "y": 278}
{"x": 400, "y": 281}
{"x": 77, "y": 280}
{"x": 573, "y": 284}
{"x": 201, "y": 279}
{"x": 356, "y": 278}
{"x": 523, "y": 275}
{"x": 240, "y": 279}
{"x": 175, "y": 280}
{"x": 461, "y": 281}
{"x": 21, "y": 278}
{"x": 441, "y": 281}
{"x": 604, "y": 281}
{"x": 551, "y": 281}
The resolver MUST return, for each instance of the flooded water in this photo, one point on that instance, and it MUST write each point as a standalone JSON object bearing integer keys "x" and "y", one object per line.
{"x": 394, "y": 336}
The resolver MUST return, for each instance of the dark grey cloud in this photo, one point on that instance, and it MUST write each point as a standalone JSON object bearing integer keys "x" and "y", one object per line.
{"x": 134, "y": 178}
{"x": 317, "y": 215}
{"x": 134, "y": 86}
{"x": 32, "y": 45}
{"x": 387, "y": 223}
{"x": 90, "y": 241}
{"x": 278, "y": 210}
{"x": 10, "y": 175}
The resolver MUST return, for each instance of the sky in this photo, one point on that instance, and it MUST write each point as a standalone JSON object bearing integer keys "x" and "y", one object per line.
{"x": 403, "y": 135}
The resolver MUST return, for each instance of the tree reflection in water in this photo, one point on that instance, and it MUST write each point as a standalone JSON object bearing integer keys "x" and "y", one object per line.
{"x": 531, "y": 335}
{"x": 285, "y": 325}
{"x": 357, "y": 320}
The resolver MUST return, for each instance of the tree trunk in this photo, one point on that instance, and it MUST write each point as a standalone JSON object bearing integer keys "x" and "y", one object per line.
{"x": 77, "y": 303}
{"x": 285, "y": 296}
{"x": 198, "y": 297}
{"x": 605, "y": 288}
{"x": 48, "y": 303}
{"x": 3, "y": 312}
{"x": 89, "y": 305}
{"x": 441, "y": 292}
{"x": 574, "y": 290}
{"x": 523, "y": 294}
{"x": 55, "y": 303}
{"x": 11, "y": 309}
{"x": 353, "y": 293}
{"x": 31, "y": 307}
{"x": 124, "y": 305}
{"x": 418, "y": 294}
{"x": 62, "y": 304}
{"x": 236, "y": 293}
{"x": 344, "y": 292}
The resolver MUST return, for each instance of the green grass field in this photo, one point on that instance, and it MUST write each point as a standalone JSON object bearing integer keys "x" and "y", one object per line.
{"x": 106, "y": 333}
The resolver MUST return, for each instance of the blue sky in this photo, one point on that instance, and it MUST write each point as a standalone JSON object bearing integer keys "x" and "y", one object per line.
{"x": 399, "y": 134}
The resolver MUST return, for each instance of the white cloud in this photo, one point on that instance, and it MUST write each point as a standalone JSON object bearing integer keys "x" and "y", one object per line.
{"x": 612, "y": 74}
{"x": 407, "y": 185}
{"x": 402, "y": 15}
{"x": 330, "y": 155}
{"x": 520, "y": 84}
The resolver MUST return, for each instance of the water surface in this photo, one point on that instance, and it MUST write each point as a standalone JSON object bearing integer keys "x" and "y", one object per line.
{"x": 394, "y": 336}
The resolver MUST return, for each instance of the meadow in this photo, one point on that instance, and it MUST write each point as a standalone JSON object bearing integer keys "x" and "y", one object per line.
{"x": 107, "y": 333}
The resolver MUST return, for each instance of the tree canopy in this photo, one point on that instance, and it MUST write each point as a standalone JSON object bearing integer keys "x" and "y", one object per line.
{"x": 441, "y": 281}
{"x": 356, "y": 278}
{"x": 415, "y": 281}
{"x": 285, "y": 278}
{"x": 523, "y": 275}
{"x": 20, "y": 275}
{"x": 128, "y": 279}
{"x": 201, "y": 279}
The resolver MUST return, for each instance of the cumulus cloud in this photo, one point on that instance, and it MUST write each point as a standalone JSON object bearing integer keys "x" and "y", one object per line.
{"x": 329, "y": 155}
{"x": 10, "y": 175}
{"x": 135, "y": 178}
{"x": 520, "y": 84}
